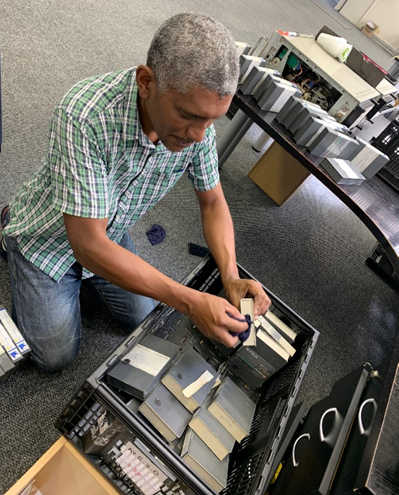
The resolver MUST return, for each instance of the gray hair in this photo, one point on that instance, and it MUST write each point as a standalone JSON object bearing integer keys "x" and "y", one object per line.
{"x": 192, "y": 49}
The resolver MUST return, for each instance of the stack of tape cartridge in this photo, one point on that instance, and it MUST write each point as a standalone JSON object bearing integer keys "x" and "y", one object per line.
{"x": 301, "y": 113}
{"x": 255, "y": 79}
{"x": 13, "y": 347}
{"x": 242, "y": 48}
{"x": 247, "y": 62}
{"x": 332, "y": 143}
{"x": 272, "y": 94}
{"x": 291, "y": 108}
{"x": 312, "y": 127}
{"x": 276, "y": 95}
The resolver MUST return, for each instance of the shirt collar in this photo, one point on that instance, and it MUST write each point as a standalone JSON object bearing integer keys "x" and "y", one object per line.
{"x": 133, "y": 129}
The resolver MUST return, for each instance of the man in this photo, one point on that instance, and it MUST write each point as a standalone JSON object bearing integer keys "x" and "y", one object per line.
{"x": 117, "y": 144}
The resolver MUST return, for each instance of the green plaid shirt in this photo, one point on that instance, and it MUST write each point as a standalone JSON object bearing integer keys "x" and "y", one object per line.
{"x": 100, "y": 164}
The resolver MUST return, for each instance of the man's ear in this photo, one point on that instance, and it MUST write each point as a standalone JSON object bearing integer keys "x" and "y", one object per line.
{"x": 145, "y": 78}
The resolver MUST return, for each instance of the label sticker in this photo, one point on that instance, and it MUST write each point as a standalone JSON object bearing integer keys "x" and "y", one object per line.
{"x": 146, "y": 359}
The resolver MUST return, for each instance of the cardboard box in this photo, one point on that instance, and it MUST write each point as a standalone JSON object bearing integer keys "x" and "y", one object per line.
{"x": 370, "y": 28}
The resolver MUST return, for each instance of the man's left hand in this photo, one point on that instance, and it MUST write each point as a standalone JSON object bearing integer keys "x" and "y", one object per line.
{"x": 238, "y": 288}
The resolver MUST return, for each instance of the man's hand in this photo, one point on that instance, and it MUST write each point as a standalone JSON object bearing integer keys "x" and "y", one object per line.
{"x": 211, "y": 316}
{"x": 238, "y": 288}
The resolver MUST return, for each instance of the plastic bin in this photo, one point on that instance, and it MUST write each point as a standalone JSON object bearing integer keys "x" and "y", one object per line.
{"x": 250, "y": 464}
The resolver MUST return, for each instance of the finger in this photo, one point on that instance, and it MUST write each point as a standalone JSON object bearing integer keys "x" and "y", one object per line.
{"x": 261, "y": 304}
{"x": 237, "y": 326}
{"x": 233, "y": 312}
{"x": 235, "y": 322}
{"x": 228, "y": 340}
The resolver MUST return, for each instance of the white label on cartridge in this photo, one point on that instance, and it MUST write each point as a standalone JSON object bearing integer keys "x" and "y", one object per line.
{"x": 147, "y": 359}
{"x": 13, "y": 331}
{"x": 363, "y": 159}
{"x": 8, "y": 345}
{"x": 197, "y": 384}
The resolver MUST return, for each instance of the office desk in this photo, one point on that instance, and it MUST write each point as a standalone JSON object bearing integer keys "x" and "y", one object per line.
{"x": 374, "y": 202}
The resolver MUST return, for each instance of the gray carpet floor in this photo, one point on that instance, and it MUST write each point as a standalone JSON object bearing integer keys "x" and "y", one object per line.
{"x": 310, "y": 252}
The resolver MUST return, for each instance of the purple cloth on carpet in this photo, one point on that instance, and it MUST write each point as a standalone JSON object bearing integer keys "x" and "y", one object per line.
{"x": 156, "y": 234}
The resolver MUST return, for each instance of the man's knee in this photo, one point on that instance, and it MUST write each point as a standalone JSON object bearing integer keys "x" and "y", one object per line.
{"x": 51, "y": 360}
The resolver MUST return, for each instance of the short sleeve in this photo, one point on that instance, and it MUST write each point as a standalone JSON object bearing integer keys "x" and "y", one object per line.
{"x": 78, "y": 174}
{"x": 203, "y": 170}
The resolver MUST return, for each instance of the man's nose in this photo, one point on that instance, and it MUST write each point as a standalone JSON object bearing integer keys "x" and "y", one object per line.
{"x": 196, "y": 132}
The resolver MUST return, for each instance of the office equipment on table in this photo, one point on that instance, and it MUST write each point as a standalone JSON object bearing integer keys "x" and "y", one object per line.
{"x": 246, "y": 64}
{"x": 323, "y": 79}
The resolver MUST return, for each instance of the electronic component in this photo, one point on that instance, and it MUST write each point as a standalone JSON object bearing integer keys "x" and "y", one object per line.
{"x": 9, "y": 345}
{"x": 322, "y": 79}
{"x": 311, "y": 129}
{"x": 331, "y": 143}
{"x": 250, "y": 367}
{"x": 6, "y": 366}
{"x": 291, "y": 109}
{"x": 303, "y": 113}
{"x": 14, "y": 332}
{"x": 280, "y": 326}
{"x": 344, "y": 147}
{"x": 267, "y": 81}
{"x": 268, "y": 328}
{"x": 197, "y": 250}
{"x": 242, "y": 48}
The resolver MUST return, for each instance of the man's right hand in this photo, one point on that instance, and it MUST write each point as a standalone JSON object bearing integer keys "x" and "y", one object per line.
{"x": 98, "y": 254}
{"x": 210, "y": 315}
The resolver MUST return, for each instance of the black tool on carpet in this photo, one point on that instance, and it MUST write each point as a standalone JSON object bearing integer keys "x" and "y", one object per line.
{"x": 197, "y": 250}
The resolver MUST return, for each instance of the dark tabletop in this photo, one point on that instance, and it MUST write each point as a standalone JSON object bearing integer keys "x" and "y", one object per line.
{"x": 374, "y": 201}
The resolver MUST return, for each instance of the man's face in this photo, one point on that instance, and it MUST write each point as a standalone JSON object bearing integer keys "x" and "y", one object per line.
{"x": 180, "y": 120}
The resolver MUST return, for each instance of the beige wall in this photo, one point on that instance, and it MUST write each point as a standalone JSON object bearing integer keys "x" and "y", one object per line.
{"x": 385, "y": 13}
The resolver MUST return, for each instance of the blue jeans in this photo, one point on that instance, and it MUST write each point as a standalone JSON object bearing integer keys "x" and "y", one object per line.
{"x": 48, "y": 312}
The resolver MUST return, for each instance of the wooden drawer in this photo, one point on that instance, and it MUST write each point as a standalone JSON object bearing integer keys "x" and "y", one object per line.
{"x": 62, "y": 470}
